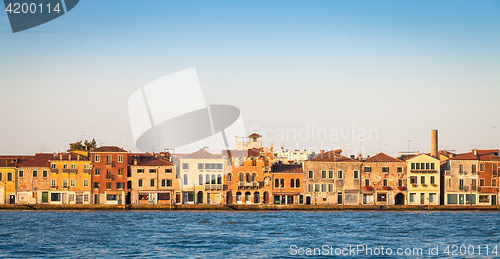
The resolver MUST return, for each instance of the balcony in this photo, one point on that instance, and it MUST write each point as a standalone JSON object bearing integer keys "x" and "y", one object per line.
{"x": 213, "y": 186}
{"x": 267, "y": 169}
{"x": 447, "y": 172}
{"x": 248, "y": 184}
{"x": 53, "y": 187}
{"x": 109, "y": 163}
{"x": 65, "y": 171}
{"x": 54, "y": 171}
{"x": 420, "y": 171}
{"x": 65, "y": 187}
{"x": 87, "y": 171}
{"x": 110, "y": 177}
{"x": 473, "y": 188}
{"x": 73, "y": 171}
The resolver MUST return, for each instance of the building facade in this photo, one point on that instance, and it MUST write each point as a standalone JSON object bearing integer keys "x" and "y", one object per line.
{"x": 287, "y": 181}
{"x": 8, "y": 180}
{"x": 33, "y": 179}
{"x": 109, "y": 175}
{"x": 384, "y": 180}
{"x": 423, "y": 178}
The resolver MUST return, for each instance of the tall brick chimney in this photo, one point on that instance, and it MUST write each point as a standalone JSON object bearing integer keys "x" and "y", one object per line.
{"x": 434, "y": 144}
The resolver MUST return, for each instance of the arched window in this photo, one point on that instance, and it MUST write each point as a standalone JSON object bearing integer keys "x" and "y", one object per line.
{"x": 254, "y": 162}
{"x": 185, "y": 179}
{"x": 213, "y": 179}
{"x": 266, "y": 162}
{"x": 276, "y": 183}
{"x": 248, "y": 177}
{"x": 207, "y": 179}
{"x": 297, "y": 183}
{"x": 254, "y": 177}
{"x": 282, "y": 183}
{"x": 242, "y": 177}
{"x": 200, "y": 179}
{"x": 229, "y": 177}
{"x": 292, "y": 183}
{"x": 219, "y": 179}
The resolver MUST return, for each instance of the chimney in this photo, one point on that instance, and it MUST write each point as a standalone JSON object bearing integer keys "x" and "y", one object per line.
{"x": 135, "y": 161}
{"x": 434, "y": 144}
{"x": 360, "y": 157}
{"x": 475, "y": 151}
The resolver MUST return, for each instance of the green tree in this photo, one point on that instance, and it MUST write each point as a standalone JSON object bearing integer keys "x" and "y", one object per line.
{"x": 85, "y": 146}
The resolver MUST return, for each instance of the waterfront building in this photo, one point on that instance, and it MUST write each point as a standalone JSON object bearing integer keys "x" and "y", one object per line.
{"x": 472, "y": 179}
{"x": 70, "y": 179}
{"x": 423, "y": 178}
{"x": 152, "y": 180}
{"x": 8, "y": 180}
{"x": 331, "y": 178}
{"x": 109, "y": 175}
{"x": 383, "y": 180}
{"x": 250, "y": 182}
{"x": 33, "y": 179}
{"x": 201, "y": 175}
{"x": 287, "y": 181}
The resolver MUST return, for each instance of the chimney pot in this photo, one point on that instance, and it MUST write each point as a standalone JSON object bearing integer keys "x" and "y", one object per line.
{"x": 434, "y": 144}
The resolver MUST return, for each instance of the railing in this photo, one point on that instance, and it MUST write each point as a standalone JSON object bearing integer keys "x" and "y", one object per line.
{"x": 65, "y": 187}
{"x": 74, "y": 171}
{"x": 87, "y": 171}
{"x": 419, "y": 171}
{"x": 248, "y": 184}
{"x": 213, "y": 186}
{"x": 473, "y": 188}
{"x": 54, "y": 171}
{"x": 110, "y": 177}
{"x": 53, "y": 187}
{"x": 447, "y": 172}
{"x": 65, "y": 171}
{"x": 267, "y": 168}
{"x": 109, "y": 163}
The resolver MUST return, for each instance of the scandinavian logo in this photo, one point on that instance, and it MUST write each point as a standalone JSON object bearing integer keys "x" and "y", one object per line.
{"x": 172, "y": 111}
{"x": 26, "y": 14}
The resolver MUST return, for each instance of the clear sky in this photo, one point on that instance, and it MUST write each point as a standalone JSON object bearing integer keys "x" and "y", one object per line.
{"x": 400, "y": 68}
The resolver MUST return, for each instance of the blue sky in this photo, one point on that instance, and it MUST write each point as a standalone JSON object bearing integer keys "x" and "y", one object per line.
{"x": 400, "y": 67}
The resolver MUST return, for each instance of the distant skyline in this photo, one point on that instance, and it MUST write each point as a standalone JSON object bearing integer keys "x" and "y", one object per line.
{"x": 398, "y": 68}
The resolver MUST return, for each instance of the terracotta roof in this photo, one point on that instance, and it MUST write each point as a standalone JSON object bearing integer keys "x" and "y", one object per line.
{"x": 482, "y": 155}
{"x": 287, "y": 168}
{"x": 331, "y": 156}
{"x": 108, "y": 149}
{"x": 8, "y": 162}
{"x": 67, "y": 156}
{"x": 242, "y": 153}
{"x": 421, "y": 154}
{"x": 202, "y": 154}
{"x": 254, "y": 135}
{"x": 38, "y": 160}
{"x": 383, "y": 158}
{"x": 148, "y": 160}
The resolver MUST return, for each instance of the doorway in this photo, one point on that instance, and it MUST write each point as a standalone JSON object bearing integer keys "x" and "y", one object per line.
{"x": 12, "y": 199}
{"x": 45, "y": 197}
{"x": 493, "y": 200}
{"x": 199, "y": 197}
{"x": 400, "y": 199}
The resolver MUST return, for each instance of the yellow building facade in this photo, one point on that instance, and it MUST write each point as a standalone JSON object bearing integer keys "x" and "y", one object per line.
{"x": 423, "y": 180}
{"x": 8, "y": 181}
{"x": 70, "y": 179}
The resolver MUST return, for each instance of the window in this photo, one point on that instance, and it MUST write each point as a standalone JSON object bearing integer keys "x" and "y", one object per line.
{"x": 413, "y": 166}
{"x": 168, "y": 171}
{"x": 108, "y": 186}
{"x": 311, "y": 174}
{"x": 45, "y": 173}
{"x": 53, "y": 166}
{"x": 433, "y": 180}
{"x": 65, "y": 183}
{"x": 282, "y": 182}
{"x": 339, "y": 174}
{"x": 481, "y": 167}
{"x": 427, "y": 166}
{"x": 412, "y": 197}
{"x": 152, "y": 183}
{"x": 21, "y": 173}
{"x": 432, "y": 197}
{"x": 185, "y": 166}
{"x": 53, "y": 183}
{"x": 422, "y": 166}
{"x": 219, "y": 166}
{"x": 461, "y": 184}
{"x": 316, "y": 187}
{"x": 330, "y": 174}
{"x": 432, "y": 166}
{"x": 481, "y": 182}
{"x": 185, "y": 179}
{"x": 323, "y": 174}
{"x": 413, "y": 180}
{"x": 422, "y": 179}
{"x": 242, "y": 177}
{"x": 97, "y": 171}
{"x": 493, "y": 182}
{"x": 72, "y": 182}
{"x": 385, "y": 169}
{"x": 368, "y": 169}
{"x": 400, "y": 182}
{"x": 367, "y": 182}
{"x": 120, "y": 158}
{"x": 356, "y": 174}
{"x": 229, "y": 178}
{"x": 292, "y": 183}
{"x": 422, "y": 198}
{"x": 163, "y": 196}
{"x": 120, "y": 171}
{"x": 35, "y": 173}
{"x": 449, "y": 182}
{"x": 323, "y": 188}
{"x": 382, "y": 197}
{"x": 452, "y": 199}
{"x": 139, "y": 183}
{"x": 96, "y": 185}
{"x": 85, "y": 183}
{"x": 200, "y": 166}
{"x": 219, "y": 179}
{"x": 473, "y": 169}
{"x": 85, "y": 197}
{"x": 330, "y": 187}
{"x": 108, "y": 158}
{"x": 73, "y": 166}
{"x": 385, "y": 182}
{"x": 417, "y": 166}
{"x": 55, "y": 197}
{"x": 460, "y": 169}
{"x": 309, "y": 188}
{"x": 112, "y": 197}
{"x": 297, "y": 183}
{"x": 1, "y": 177}
{"x": 85, "y": 166}
{"x": 97, "y": 158}
{"x": 400, "y": 169}
{"x": 120, "y": 186}
{"x": 140, "y": 171}
{"x": 152, "y": 171}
